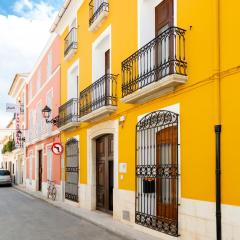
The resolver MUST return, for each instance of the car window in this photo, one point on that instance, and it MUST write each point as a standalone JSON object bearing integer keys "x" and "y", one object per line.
{"x": 4, "y": 173}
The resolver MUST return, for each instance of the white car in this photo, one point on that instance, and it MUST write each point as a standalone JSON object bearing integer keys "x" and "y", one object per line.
{"x": 5, "y": 177}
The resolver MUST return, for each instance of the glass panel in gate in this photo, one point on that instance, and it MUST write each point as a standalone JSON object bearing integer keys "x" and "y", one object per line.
{"x": 72, "y": 163}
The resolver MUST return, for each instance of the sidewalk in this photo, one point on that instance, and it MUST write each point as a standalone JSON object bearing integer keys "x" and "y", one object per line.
{"x": 96, "y": 217}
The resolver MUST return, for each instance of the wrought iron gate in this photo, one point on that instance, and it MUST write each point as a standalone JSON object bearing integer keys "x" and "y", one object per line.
{"x": 157, "y": 172}
{"x": 72, "y": 162}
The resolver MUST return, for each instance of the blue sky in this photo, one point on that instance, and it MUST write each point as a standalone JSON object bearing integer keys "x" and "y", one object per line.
{"x": 25, "y": 28}
{"x": 7, "y": 6}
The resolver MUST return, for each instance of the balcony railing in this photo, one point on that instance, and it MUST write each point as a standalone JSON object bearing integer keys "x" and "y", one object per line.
{"x": 70, "y": 41}
{"x": 101, "y": 93}
{"x": 69, "y": 112}
{"x": 163, "y": 56}
{"x": 96, "y": 7}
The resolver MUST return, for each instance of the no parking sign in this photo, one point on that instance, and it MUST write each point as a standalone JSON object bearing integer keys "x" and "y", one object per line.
{"x": 57, "y": 148}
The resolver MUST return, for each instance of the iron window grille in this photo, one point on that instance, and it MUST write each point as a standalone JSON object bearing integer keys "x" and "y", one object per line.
{"x": 96, "y": 7}
{"x": 70, "y": 41}
{"x": 163, "y": 56}
{"x": 101, "y": 93}
{"x": 72, "y": 170}
{"x": 157, "y": 172}
{"x": 69, "y": 112}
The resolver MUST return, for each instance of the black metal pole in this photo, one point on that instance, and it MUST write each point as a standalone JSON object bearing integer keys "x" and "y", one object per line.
{"x": 218, "y": 182}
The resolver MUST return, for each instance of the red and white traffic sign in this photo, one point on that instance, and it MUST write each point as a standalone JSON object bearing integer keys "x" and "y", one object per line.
{"x": 57, "y": 148}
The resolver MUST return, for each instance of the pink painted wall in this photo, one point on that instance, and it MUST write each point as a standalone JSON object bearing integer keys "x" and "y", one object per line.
{"x": 39, "y": 96}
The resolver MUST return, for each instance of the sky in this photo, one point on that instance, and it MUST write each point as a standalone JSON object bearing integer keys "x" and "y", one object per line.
{"x": 24, "y": 31}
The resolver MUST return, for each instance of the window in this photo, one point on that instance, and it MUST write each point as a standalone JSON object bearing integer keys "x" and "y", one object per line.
{"x": 30, "y": 90}
{"x": 39, "y": 77}
{"x": 30, "y": 167}
{"x": 4, "y": 173}
{"x": 73, "y": 83}
{"x": 49, "y": 100}
{"x": 31, "y": 126}
{"x": 49, "y": 164}
{"x": 39, "y": 119}
{"x": 49, "y": 64}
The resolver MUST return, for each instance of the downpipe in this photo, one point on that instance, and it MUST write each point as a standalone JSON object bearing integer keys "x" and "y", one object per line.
{"x": 218, "y": 129}
{"x": 218, "y": 126}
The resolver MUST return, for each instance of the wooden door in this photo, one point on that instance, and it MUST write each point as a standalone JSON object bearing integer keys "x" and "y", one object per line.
{"x": 164, "y": 15}
{"x": 40, "y": 170}
{"x": 107, "y": 62}
{"x": 107, "y": 79}
{"x": 166, "y": 141}
{"x": 104, "y": 173}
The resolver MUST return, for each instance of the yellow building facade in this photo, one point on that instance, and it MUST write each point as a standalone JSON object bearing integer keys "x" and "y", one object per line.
{"x": 143, "y": 86}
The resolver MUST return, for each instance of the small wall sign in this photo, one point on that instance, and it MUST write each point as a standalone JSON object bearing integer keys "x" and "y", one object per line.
{"x": 57, "y": 148}
{"x": 123, "y": 167}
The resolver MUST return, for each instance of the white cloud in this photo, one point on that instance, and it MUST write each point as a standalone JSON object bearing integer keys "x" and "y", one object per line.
{"x": 22, "y": 39}
{"x": 19, "y": 6}
{"x": 33, "y": 10}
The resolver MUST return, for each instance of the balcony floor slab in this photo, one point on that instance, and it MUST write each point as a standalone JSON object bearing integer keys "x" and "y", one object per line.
{"x": 156, "y": 89}
{"x": 98, "y": 114}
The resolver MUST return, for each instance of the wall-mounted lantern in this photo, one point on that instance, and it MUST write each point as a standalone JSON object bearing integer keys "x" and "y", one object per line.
{"x": 46, "y": 112}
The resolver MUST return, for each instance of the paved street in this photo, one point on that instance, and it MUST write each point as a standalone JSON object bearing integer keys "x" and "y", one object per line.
{"x": 27, "y": 218}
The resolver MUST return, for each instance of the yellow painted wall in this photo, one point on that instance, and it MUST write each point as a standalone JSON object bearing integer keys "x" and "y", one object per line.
{"x": 197, "y": 98}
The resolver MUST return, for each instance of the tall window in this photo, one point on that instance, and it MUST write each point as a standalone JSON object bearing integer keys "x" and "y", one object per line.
{"x": 73, "y": 83}
{"x": 30, "y": 90}
{"x": 49, "y": 100}
{"x": 31, "y": 126}
{"x": 30, "y": 167}
{"x": 49, "y": 164}
{"x": 49, "y": 64}
{"x": 39, "y": 119}
{"x": 39, "y": 79}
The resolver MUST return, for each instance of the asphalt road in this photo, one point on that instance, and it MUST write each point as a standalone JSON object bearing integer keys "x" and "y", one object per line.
{"x": 23, "y": 217}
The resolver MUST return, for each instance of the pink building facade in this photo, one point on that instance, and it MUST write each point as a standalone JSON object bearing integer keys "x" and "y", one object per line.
{"x": 43, "y": 89}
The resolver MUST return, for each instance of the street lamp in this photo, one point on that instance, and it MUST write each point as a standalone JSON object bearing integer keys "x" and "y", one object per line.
{"x": 46, "y": 112}
{"x": 19, "y": 133}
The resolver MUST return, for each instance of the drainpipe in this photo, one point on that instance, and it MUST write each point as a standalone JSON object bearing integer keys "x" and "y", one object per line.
{"x": 218, "y": 182}
{"x": 218, "y": 127}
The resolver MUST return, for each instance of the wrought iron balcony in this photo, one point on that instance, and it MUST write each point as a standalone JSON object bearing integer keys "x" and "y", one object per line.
{"x": 99, "y": 99}
{"x": 70, "y": 43}
{"x": 156, "y": 68}
{"x": 69, "y": 114}
{"x": 98, "y": 10}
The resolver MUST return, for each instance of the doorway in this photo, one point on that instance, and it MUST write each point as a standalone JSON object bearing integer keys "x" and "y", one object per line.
{"x": 40, "y": 170}
{"x": 72, "y": 170}
{"x": 104, "y": 173}
{"x": 166, "y": 140}
{"x": 164, "y": 14}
